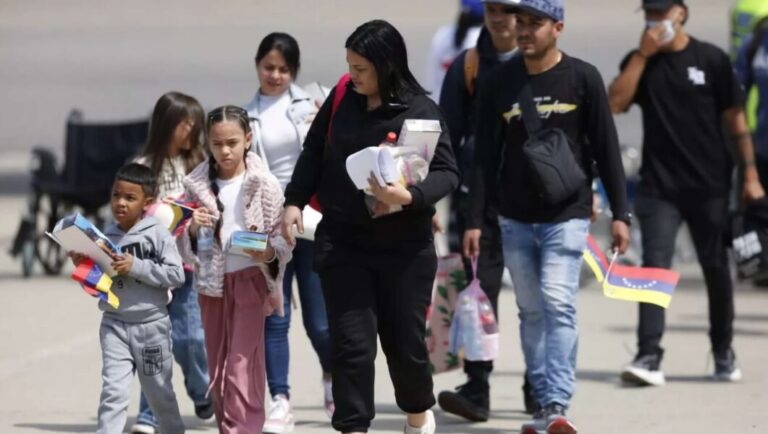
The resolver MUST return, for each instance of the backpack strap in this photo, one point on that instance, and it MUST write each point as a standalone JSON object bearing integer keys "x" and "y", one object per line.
{"x": 471, "y": 62}
{"x": 341, "y": 90}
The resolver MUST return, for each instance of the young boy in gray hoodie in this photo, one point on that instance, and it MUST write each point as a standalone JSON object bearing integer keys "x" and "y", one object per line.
{"x": 136, "y": 337}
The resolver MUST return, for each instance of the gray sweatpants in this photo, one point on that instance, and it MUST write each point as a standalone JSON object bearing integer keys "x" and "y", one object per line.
{"x": 144, "y": 348}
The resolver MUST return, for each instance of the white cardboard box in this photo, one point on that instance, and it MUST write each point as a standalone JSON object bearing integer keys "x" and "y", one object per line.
{"x": 421, "y": 135}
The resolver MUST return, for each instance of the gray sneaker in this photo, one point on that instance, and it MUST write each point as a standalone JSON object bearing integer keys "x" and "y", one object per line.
{"x": 538, "y": 425}
{"x": 726, "y": 368}
{"x": 644, "y": 371}
{"x": 558, "y": 422}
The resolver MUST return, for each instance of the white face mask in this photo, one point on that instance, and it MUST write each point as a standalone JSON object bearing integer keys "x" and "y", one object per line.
{"x": 669, "y": 29}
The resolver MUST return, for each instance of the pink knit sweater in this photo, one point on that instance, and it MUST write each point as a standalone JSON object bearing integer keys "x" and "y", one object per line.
{"x": 264, "y": 199}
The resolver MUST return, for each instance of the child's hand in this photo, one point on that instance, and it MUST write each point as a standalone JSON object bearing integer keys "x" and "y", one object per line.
{"x": 268, "y": 255}
{"x": 123, "y": 265}
{"x": 201, "y": 217}
{"x": 77, "y": 258}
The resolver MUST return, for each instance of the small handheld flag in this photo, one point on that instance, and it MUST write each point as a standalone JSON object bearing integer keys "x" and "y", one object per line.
{"x": 174, "y": 214}
{"x": 95, "y": 282}
{"x": 622, "y": 282}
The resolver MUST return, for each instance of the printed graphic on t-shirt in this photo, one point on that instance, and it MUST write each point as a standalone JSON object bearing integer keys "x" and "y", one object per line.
{"x": 152, "y": 358}
{"x": 697, "y": 76}
{"x": 545, "y": 106}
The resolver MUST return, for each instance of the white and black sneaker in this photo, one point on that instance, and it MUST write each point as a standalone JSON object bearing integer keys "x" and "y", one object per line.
{"x": 726, "y": 368}
{"x": 644, "y": 371}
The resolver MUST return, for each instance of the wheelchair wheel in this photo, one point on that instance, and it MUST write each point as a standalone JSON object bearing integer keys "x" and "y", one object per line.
{"x": 27, "y": 257}
{"x": 47, "y": 251}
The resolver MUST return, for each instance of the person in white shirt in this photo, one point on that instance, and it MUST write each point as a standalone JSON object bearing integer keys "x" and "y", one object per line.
{"x": 281, "y": 113}
{"x": 449, "y": 41}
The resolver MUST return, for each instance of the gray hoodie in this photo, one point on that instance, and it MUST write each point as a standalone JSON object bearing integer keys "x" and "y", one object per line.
{"x": 157, "y": 267}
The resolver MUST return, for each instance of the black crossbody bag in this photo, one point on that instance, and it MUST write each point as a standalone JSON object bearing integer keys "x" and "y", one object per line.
{"x": 556, "y": 174}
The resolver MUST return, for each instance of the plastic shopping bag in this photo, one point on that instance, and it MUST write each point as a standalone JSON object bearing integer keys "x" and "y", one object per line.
{"x": 474, "y": 330}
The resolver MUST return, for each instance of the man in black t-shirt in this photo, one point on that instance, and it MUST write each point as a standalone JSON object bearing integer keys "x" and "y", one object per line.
{"x": 685, "y": 88}
{"x": 543, "y": 241}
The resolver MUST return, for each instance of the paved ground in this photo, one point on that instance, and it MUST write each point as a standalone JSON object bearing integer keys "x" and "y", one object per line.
{"x": 114, "y": 60}
{"x": 49, "y": 365}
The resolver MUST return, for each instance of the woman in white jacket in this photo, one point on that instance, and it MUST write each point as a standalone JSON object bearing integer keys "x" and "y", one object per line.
{"x": 281, "y": 114}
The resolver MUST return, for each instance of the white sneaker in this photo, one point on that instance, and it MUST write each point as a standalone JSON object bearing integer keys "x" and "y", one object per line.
{"x": 279, "y": 416}
{"x": 143, "y": 428}
{"x": 330, "y": 407}
{"x": 645, "y": 370}
{"x": 428, "y": 428}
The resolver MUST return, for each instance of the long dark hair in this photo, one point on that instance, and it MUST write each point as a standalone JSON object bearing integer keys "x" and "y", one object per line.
{"x": 224, "y": 114}
{"x": 286, "y": 45}
{"x": 381, "y": 43}
{"x": 466, "y": 20}
{"x": 170, "y": 110}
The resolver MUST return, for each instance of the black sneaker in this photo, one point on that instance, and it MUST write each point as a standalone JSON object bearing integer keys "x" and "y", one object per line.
{"x": 204, "y": 410}
{"x": 644, "y": 371}
{"x": 470, "y": 401}
{"x": 531, "y": 405}
{"x": 726, "y": 368}
{"x": 557, "y": 421}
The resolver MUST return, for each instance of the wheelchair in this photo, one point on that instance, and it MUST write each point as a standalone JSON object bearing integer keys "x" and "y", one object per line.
{"x": 93, "y": 153}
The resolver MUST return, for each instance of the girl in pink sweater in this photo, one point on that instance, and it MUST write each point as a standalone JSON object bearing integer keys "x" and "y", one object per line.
{"x": 236, "y": 192}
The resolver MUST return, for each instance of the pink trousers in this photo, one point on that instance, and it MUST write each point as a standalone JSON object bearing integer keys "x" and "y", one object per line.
{"x": 234, "y": 341}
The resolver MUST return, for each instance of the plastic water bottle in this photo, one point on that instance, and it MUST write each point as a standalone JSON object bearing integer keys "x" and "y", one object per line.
{"x": 205, "y": 237}
{"x": 487, "y": 318}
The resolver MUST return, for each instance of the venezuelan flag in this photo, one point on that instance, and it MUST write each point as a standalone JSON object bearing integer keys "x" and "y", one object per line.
{"x": 595, "y": 259}
{"x": 622, "y": 282}
{"x": 182, "y": 212}
{"x": 95, "y": 282}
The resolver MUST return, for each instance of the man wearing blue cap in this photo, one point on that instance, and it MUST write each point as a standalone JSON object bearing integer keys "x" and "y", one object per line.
{"x": 496, "y": 44}
{"x": 685, "y": 88}
{"x": 545, "y": 99}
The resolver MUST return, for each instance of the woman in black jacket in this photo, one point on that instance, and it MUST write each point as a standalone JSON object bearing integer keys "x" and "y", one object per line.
{"x": 376, "y": 273}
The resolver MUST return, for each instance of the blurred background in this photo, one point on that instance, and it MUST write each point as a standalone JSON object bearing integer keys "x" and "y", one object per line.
{"x": 113, "y": 59}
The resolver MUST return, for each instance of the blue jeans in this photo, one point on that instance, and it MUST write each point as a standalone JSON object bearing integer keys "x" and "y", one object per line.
{"x": 313, "y": 314}
{"x": 188, "y": 348}
{"x": 545, "y": 261}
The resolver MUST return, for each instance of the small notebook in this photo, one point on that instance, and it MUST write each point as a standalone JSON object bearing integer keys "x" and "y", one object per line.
{"x": 247, "y": 240}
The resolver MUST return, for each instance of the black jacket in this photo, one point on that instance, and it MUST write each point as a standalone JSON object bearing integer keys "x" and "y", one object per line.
{"x": 571, "y": 97}
{"x": 321, "y": 169}
{"x": 458, "y": 105}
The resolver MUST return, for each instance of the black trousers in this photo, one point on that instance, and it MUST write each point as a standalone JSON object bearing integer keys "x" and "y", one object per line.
{"x": 707, "y": 220}
{"x": 384, "y": 293}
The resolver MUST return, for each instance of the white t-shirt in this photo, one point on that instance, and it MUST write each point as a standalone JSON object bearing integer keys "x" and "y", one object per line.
{"x": 231, "y": 196}
{"x": 279, "y": 136}
{"x": 442, "y": 52}
{"x": 170, "y": 179}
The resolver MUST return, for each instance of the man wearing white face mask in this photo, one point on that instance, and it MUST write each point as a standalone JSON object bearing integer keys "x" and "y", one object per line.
{"x": 685, "y": 88}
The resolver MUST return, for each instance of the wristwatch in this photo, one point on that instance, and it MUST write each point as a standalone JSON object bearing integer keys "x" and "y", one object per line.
{"x": 625, "y": 217}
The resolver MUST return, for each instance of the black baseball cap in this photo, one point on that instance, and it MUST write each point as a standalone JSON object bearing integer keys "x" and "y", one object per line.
{"x": 661, "y": 5}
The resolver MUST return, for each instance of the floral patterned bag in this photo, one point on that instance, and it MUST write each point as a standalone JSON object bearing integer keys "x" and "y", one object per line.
{"x": 450, "y": 279}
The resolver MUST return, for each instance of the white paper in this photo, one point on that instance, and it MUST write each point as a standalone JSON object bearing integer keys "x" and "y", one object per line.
{"x": 311, "y": 218}
{"x": 376, "y": 159}
{"x": 72, "y": 239}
